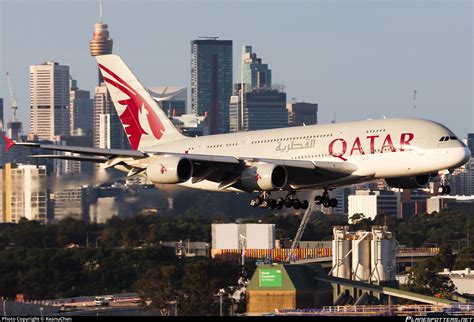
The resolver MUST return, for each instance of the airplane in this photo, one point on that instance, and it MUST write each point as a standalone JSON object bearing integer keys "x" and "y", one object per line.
{"x": 406, "y": 152}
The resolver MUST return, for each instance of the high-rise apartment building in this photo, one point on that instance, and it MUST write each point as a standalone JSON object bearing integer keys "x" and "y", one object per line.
{"x": 49, "y": 100}
{"x": 81, "y": 108}
{"x": 24, "y": 193}
{"x": 300, "y": 113}
{"x": 255, "y": 74}
{"x": 211, "y": 81}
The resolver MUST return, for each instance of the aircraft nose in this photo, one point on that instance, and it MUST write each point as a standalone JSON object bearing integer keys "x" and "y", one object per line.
{"x": 467, "y": 154}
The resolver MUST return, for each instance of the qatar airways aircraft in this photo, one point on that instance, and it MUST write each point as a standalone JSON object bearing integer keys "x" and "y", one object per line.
{"x": 406, "y": 152}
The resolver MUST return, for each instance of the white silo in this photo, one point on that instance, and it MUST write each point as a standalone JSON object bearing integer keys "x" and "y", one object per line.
{"x": 341, "y": 246}
{"x": 382, "y": 253}
{"x": 361, "y": 256}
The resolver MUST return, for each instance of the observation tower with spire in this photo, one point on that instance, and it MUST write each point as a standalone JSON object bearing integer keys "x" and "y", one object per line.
{"x": 101, "y": 43}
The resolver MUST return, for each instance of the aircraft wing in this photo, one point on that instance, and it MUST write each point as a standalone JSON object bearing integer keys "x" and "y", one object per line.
{"x": 225, "y": 170}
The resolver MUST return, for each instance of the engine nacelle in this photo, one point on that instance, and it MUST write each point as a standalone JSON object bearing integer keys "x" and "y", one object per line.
{"x": 265, "y": 177}
{"x": 414, "y": 182}
{"x": 169, "y": 169}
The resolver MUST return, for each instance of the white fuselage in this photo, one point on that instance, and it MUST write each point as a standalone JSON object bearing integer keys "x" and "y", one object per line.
{"x": 384, "y": 148}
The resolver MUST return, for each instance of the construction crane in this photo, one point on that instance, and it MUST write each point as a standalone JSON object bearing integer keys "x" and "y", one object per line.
{"x": 12, "y": 98}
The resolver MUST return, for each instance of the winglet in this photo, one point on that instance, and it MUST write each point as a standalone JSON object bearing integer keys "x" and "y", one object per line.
{"x": 8, "y": 142}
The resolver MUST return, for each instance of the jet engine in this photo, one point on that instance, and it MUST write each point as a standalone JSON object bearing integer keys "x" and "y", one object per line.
{"x": 169, "y": 169}
{"x": 264, "y": 177}
{"x": 414, "y": 182}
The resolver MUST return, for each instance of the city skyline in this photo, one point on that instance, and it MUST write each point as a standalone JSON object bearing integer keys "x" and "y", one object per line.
{"x": 358, "y": 61}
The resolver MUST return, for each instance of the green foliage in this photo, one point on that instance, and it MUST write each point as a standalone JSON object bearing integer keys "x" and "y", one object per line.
{"x": 193, "y": 283}
{"x": 51, "y": 273}
{"x": 425, "y": 280}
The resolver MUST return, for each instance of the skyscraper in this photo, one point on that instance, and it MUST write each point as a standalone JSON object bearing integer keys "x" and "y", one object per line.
{"x": 81, "y": 107}
{"x": 470, "y": 143}
{"x": 211, "y": 81}
{"x": 49, "y": 100}
{"x": 265, "y": 108}
{"x": 255, "y": 74}
{"x": 300, "y": 113}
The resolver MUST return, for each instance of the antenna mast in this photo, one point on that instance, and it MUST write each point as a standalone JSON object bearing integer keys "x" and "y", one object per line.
{"x": 100, "y": 11}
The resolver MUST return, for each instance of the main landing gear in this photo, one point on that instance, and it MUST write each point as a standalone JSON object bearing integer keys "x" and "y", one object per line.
{"x": 325, "y": 200}
{"x": 264, "y": 201}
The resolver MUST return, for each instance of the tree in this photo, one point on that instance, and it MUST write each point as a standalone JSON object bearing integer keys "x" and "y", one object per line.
{"x": 157, "y": 288}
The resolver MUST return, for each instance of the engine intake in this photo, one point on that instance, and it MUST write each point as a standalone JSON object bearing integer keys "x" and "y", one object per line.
{"x": 169, "y": 169}
{"x": 413, "y": 182}
{"x": 264, "y": 177}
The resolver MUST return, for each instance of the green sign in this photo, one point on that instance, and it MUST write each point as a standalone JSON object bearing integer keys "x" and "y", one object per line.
{"x": 269, "y": 277}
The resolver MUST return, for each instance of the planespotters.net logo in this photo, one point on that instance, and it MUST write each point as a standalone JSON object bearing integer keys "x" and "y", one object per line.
{"x": 448, "y": 319}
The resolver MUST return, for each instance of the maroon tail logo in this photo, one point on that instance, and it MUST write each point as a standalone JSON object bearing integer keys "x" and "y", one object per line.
{"x": 131, "y": 116}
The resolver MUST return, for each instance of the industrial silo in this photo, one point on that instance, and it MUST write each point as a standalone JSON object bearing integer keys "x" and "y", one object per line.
{"x": 382, "y": 253}
{"x": 361, "y": 256}
{"x": 341, "y": 246}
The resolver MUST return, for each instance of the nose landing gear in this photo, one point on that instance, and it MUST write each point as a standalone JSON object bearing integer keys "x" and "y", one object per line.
{"x": 444, "y": 188}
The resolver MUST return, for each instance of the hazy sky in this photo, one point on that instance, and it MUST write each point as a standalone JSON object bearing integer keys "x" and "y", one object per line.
{"x": 358, "y": 59}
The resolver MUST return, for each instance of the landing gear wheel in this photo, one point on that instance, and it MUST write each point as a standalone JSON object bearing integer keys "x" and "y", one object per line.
{"x": 304, "y": 204}
{"x": 296, "y": 204}
{"x": 333, "y": 203}
{"x": 288, "y": 203}
{"x": 279, "y": 202}
{"x": 265, "y": 204}
{"x": 255, "y": 201}
{"x": 318, "y": 200}
{"x": 444, "y": 190}
{"x": 273, "y": 203}
{"x": 326, "y": 204}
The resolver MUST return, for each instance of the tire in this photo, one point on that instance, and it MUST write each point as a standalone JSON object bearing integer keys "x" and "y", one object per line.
{"x": 253, "y": 202}
{"x": 441, "y": 190}
{"x": 304, "y": 204}
{"x": 446, "y": 190}
{"x": 326, "y": 204}
{"x": 265, "y": 204}
{"x": 273, "y": 203}
{"x": 333, "y": 203}
{"x": 288, "y": 203}
{"x": 296, "y": 204}
{"x": 318, "y": 199}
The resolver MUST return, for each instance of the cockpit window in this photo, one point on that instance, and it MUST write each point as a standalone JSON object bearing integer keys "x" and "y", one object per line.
{"x": 447, "y": 138}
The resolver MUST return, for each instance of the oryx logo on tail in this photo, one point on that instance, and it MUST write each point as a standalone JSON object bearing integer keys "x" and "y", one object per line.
{"x": 133, "y": 110}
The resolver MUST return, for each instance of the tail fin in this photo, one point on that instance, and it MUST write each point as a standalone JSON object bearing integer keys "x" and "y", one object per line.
{"x": 143, "y": 120}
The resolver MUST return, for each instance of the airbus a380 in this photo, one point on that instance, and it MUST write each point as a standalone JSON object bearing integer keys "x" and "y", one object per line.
{"x": 406, "y": 152}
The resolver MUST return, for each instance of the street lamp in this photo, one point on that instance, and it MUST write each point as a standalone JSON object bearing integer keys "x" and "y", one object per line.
{"x": 220, "y": 294}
